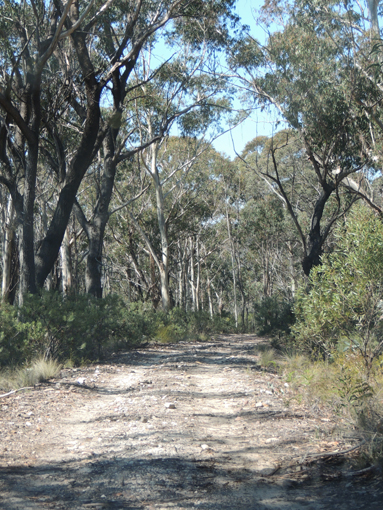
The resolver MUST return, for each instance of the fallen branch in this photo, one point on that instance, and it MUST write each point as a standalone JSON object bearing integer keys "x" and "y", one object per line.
{"x": 334, "y": 454}
{"x": 361, "y": 472}
{"x": 14, "y": 391}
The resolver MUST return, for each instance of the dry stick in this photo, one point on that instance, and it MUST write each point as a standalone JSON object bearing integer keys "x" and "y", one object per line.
{"x": 365, "y": 471}
{"x": 14, "y": 391}
{"x": 334, "y": 454}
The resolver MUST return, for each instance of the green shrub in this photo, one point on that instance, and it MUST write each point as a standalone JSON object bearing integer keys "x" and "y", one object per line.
{"x": 342, "y": 309}
{"x": 70, "y": 327}
{"x": 13, "y": 337}
{"x": 273, "y": 315}
{"x": 76, "y": 328}
{"x": 82, "y": 328}
{"x": 179, "y": 325}
{"x": 168, "y": 334}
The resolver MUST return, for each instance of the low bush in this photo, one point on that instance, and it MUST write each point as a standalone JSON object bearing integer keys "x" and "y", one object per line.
{"x": 77, "y": 328}
{"x": 273, "y": 316}
{"x": 12, "y": 336}
{"x": 342, "y": 309}
{"x": 179, "y": 325}
{"x": 82, "y": 328}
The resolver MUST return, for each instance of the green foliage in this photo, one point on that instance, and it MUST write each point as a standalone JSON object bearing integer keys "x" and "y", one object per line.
{"x": 74, "y": 327}
{"x": 342, "y": 310}
{"x": 170, "y": 327}
{"x": 82, "y": 328}
{"x": 201, "y": 322}
{"x": 179, "y": 325}
{"x": 168, "y": 334}
{"x": 12, "y": 335}
{"x": 78, "y": 328}
{"x": 273, "y": 315}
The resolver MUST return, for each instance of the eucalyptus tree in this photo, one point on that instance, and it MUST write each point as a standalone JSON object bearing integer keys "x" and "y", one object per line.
{"x": 281, "y": 169}
{"x": 313, "y": 71}
{"x": 9, "y": 253}
{"x": 60, "y": 63}
{"x": 160, "y": 232}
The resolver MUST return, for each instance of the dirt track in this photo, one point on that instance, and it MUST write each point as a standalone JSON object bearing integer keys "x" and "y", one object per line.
{"x": 181, "y": 426}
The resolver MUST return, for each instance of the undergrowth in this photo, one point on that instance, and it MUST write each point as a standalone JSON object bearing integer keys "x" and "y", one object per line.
{"x": 346, "y": 388}
{"x": 78, "y": 329}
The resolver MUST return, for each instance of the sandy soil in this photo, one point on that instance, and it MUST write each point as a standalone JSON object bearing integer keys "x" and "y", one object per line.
{"x": 192, "y": 425}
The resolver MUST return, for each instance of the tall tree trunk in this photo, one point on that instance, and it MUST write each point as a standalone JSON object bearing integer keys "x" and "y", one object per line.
{"x": 232, "y": 252}
{"x": 373, "y": 8}
{"x": 208, "y": 289}
{"x": 198, "y": 280}
{"x": 316, "y": 239}
{"x": 153, "y": 283}
{"x": 66, "y": 264}
{"x": 164, "y": 259}
{"x": 180, "y": 271}
{"x": 96, "y": 227}
{"x": 192, "y": 276}
{"x": 9, "y": 251}
{"x": 93, "y": 272}
{"x": 26, "y": 229}
{"x": 50, "y": 246}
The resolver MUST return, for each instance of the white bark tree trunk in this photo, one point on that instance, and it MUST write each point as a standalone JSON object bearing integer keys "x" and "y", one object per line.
{"x": 9, "y": 240}
{"x": 164, "y": 262}
{"x": 373, "y": 8}
{"x": 232, "y": 251}
{"x": 192, "y": 275}
{"x": 66, "y": 264}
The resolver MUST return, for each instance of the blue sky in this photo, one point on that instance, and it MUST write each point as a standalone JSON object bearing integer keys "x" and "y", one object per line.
{"x": 260, "y": 123}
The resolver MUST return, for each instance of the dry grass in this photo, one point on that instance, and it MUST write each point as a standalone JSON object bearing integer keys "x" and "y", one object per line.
{"x": 38, "y": 371}
{"x": 344, "y": 387}
{"x": 268, "y": 358}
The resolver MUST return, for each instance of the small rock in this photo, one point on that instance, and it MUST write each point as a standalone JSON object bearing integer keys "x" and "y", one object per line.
{"x": 170, "y": 405}
{"x": 81, "y": 380}
{"x": 259, "y": 404}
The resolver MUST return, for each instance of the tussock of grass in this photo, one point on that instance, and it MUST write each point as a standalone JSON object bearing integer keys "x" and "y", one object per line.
{"x": 38, "y": 371}
{"x": 268, "y": 358}
{"x": 345, "y": 387}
